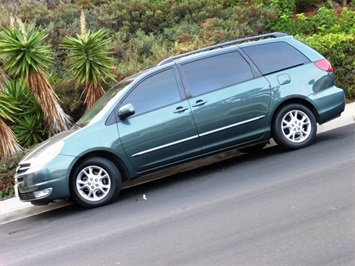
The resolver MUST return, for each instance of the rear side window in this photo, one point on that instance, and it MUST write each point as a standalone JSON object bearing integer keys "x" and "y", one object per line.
{"x": 273, "y": 57}
{"x": 154, "y": 92}
{"x": 216, "y": 72}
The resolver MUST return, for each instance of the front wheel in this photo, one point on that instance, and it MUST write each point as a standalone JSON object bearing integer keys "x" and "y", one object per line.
{"x": 95, "y": 182}
{"x": 294, "y": 127}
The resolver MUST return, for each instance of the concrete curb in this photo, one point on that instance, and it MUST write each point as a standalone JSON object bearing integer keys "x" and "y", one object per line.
{"x": 13, "y": 209}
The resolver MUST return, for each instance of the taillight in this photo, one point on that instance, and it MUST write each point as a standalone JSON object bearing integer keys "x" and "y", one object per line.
{"x": 324, "y": 65}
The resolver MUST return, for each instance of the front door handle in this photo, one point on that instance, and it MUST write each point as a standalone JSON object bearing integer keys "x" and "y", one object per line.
{"x": 180, "y": 109}
{"x": 199, "y": 103}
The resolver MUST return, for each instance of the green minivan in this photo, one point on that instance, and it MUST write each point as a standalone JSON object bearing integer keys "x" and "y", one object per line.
{"x": 231, "y": 95}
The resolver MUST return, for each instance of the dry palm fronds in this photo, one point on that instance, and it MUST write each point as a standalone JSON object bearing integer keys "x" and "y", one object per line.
{"x": 3, "y": 79}
{"x": 55, "y": 117}
{"x": 8, "y": 143}
{"x": 93, "y": 93}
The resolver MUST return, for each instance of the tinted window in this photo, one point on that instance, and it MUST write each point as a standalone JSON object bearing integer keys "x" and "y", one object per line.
{"x": 275, "y": 56}
{"x": 154, "y": 92}
{"x": 216, "y": 72}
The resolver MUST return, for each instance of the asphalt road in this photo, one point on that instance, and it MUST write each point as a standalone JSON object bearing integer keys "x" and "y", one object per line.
{"x": 275, "y": 208}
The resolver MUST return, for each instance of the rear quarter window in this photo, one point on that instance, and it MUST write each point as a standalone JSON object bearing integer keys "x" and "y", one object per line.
{"x": 276, "y": 56}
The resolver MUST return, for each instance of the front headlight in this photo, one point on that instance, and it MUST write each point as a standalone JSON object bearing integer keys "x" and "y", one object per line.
{"x": 47, "y": 154}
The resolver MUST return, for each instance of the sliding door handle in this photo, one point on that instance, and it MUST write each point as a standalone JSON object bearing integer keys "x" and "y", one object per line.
{"x": 199, "y": 103}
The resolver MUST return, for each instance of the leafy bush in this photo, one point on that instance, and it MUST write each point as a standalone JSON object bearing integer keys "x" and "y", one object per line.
{"x": 323, "y": 22}
{"x": 305, "y": 5}
{"x": 7, "y": 173}
{"x": 286, "y": 7}
{"x": 71, "y": 97}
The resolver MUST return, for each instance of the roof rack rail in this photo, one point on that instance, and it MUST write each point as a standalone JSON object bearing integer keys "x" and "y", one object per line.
{"x": 222, "y": 45}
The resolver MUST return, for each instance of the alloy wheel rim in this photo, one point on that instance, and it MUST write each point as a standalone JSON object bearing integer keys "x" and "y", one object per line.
{"x": 296, "y": 126}
{"x": 93, "y": 183}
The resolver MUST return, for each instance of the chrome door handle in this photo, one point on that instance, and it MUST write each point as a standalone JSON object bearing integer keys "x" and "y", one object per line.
{"x": 180, "y": 109}
{"x": 199, "y": 103}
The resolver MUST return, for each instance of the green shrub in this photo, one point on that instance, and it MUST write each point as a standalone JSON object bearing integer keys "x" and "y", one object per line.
{"x": 7, "y": 173}
{"x": 71, "y": 97}
{"x": 306, "y": 5}
{"x": 285, "y": 7}
{"x": 323, "y": 22}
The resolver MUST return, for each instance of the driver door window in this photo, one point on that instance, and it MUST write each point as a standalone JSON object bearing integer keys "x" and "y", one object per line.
{"x": 154, "y": 92}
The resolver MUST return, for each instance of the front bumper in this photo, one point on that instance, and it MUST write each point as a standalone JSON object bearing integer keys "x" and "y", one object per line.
{"x": 43, "y": 183}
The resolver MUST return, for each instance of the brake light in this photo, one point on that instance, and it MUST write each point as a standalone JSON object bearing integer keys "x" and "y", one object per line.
{"x": 324, "y": 65}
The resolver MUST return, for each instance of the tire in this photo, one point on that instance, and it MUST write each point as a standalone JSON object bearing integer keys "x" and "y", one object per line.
{"x": 294, "y": 127}
{"x": 95, "y": 182}
{"x": 254, "y": 148}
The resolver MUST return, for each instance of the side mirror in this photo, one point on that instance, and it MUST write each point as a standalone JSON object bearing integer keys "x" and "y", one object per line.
{"x": 126, "y": 111}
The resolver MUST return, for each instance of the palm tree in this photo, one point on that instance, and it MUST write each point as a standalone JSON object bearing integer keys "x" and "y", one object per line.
{"x": 90, "y": 63}
{"x": 24, "y": 55}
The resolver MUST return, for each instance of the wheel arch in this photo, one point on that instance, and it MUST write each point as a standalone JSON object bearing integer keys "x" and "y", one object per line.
{"x": 301, "y": 101}
{"x": 103, "y": 154}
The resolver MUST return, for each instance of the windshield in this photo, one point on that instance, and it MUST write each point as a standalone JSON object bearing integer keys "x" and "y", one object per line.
{"x": 102, "y": 103}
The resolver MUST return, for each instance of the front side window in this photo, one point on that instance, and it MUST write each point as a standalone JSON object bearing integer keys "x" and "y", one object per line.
{"x": 154, "y": 92}
{"x": 216, "y": 72}
{"x": 276, "y": 56}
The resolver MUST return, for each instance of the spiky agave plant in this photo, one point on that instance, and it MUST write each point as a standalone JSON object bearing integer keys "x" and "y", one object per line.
{"x": 28, "y": 124}
{"x": 8, "y": 143}
{"x": 25, "y": 55}
{"x": 90, "y": 63}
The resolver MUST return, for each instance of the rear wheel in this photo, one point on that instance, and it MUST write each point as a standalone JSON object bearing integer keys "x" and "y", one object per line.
{"x": 294, "y": 127}
{"x": 95, "y": 182}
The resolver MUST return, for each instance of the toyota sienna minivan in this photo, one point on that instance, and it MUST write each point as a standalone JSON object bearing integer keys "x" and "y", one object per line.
{"x": 231, "y": 95}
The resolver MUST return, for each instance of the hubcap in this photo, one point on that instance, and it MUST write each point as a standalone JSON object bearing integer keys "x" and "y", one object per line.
{"x": 296, "y": 126}
{"x": 93, "y": 183}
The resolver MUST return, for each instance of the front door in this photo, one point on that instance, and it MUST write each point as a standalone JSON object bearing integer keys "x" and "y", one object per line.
{"x": 162, "y": 130}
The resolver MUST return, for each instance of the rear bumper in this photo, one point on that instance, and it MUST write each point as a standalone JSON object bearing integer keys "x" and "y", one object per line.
{"x": 329, "y": 103}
